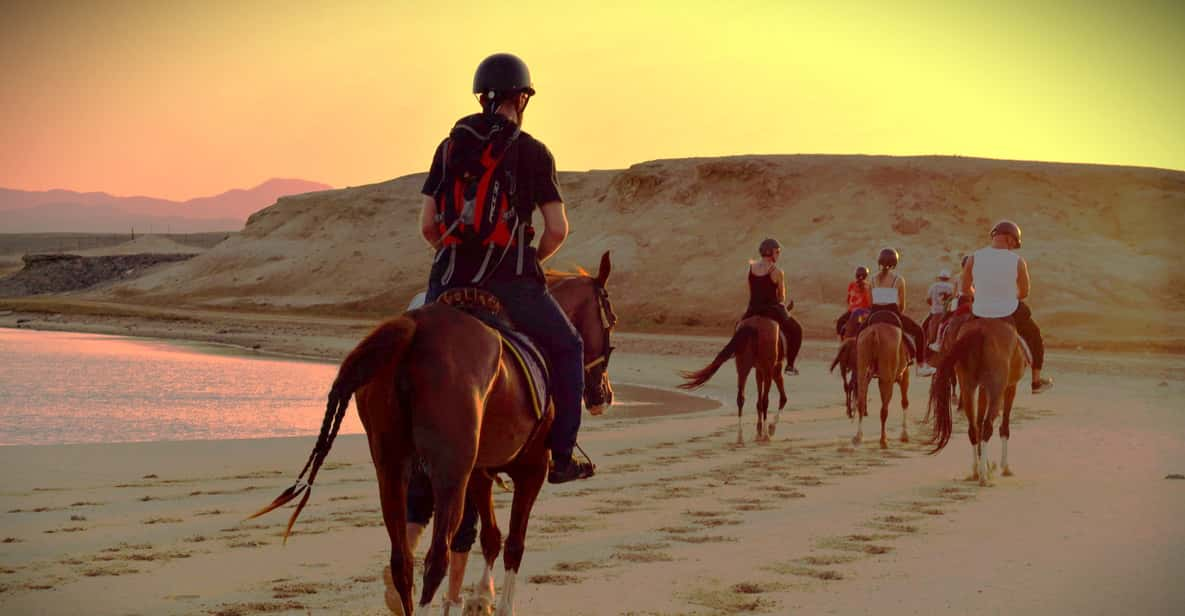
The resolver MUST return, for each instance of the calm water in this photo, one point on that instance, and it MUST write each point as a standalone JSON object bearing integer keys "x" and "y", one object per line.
{"x": 83, "y": 388}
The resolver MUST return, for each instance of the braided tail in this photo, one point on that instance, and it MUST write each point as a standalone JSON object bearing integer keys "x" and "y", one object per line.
{"x": 387, "y": 343}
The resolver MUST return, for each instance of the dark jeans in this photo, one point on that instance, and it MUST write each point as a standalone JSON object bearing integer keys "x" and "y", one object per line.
{"x": 912, "y": 329}
{"x": 420, "y": 504}
{"x": 1028, "y": 330}
{"x": 535, "y": 313}
{"x": 791, "y": 329}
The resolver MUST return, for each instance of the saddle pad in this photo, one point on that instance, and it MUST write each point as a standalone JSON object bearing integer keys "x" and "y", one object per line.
{"x": 1024, "y": 347}
{"x": 883, "y": 316}
{"x": 533, "y": 366}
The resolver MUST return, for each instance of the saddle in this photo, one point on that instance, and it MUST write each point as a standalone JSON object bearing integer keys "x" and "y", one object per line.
{"x": 889, "y": 318}
{"x": 487, "y": 308}
{"x": 957, "y": 322}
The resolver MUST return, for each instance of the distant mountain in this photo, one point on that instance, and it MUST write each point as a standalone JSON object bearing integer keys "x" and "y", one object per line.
{"x": 64, "y": 210}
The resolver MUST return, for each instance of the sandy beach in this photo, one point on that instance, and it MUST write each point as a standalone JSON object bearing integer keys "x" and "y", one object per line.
{"x": 678, "y": 520}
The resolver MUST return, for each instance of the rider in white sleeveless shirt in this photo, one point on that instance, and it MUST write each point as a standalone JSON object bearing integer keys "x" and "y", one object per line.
{"x": 994, "y": 272}
{"x": 999, "y": 280}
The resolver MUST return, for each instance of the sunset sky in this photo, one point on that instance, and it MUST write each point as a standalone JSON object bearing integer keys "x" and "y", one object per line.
{"x": 180, "y": 99}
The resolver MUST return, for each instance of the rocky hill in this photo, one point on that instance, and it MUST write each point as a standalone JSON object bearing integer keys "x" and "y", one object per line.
{"x": 1103, "y": 242}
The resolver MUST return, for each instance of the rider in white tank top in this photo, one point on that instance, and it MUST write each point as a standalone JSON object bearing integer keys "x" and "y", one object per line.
{"x": 994, "y": 271}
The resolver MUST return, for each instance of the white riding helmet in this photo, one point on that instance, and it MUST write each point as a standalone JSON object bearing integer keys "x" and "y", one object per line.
{"x": 944, "y": 275}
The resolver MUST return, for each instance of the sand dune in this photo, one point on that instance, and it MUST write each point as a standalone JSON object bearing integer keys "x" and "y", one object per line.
{"x": 1102, "y": 240}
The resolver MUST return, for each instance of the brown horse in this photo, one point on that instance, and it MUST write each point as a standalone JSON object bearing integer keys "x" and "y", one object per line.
{"x": 756, "y": 345}
{"x": 987, "y": 361}
{"x": 438, "y": 384}
{"x": 881, "y": 352}
{"x": 845, "y": 358}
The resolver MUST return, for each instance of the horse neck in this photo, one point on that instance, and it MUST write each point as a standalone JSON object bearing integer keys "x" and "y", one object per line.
{"x": 577, "y": 299}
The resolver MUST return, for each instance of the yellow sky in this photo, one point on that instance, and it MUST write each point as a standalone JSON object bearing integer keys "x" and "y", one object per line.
{"x": 180, "y": 99}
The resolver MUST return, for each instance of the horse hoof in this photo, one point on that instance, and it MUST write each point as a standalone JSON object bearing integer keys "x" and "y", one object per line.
{"x": 904, "y": 437}
{"x": 772, "y": 429}
{"x": 856, "y": 440}
{"x": 479, "y": 606}
{"x": 1007, "y": 472}
{"x": 884, "y": 444}
{"x": 391, "y": 595}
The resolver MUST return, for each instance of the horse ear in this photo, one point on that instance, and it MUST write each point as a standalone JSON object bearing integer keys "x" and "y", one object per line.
{"x": 604, "y": 270}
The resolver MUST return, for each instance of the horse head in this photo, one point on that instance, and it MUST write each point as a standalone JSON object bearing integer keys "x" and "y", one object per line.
{"x": 585, "y": 299}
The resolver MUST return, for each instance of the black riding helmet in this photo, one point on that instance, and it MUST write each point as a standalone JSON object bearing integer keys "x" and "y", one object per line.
{"x": 861, "y": 273}
{"x": 1007, "y": 227}
{"x": 888, "y": 258}
{"x": 500, "y": 76}
{"x": 768, "y": 246}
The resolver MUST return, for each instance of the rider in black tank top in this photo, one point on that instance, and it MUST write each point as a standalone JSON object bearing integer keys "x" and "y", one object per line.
{"x": 762, "y": 291}
{"x": 765, "y": 300}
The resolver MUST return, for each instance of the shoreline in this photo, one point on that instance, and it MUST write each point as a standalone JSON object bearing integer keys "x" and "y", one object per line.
{"x": 806, "y": 524}
{"x": 318, "y": 337}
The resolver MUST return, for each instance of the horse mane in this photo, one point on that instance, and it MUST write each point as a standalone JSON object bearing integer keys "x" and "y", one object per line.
{"x": 552, "y": 274}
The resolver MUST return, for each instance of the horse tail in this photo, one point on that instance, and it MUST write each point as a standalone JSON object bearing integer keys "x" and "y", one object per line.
{"x": 970, "y": 345}
{"x": 387, "y": 343}
{"x": 695, "y": 380}
{"x": 845, "y": 348}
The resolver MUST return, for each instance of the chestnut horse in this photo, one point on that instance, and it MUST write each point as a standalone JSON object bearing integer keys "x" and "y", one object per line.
{"x": 756, "y": 345}
{"x": 436, "y": 383}
{"x": 881, "y": 352}
{"x": 987, "y": 360}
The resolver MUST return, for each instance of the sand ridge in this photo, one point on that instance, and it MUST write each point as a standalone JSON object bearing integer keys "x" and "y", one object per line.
{"x": 1102, "y": 241}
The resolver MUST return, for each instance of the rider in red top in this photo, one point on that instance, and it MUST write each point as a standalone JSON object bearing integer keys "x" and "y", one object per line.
{"x": 859, "y": 296}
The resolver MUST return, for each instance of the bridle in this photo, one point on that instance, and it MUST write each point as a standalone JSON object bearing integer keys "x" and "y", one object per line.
{"x": 594, "y": 370}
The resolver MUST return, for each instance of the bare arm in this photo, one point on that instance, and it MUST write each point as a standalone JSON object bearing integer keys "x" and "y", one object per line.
{"x": 555, "y": 229}
{"x": 780, "y": 280}
{"x": 900, "y": 284}
{"x": 428, "y": 228}
{"x": 967, "y": 287}
{"x": 1022, "y": 279}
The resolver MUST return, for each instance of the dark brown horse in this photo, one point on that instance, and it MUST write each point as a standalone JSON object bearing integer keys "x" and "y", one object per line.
{"x": 987, "y": 361}
{"x": 756, "y": 345}
{"x": 881, "y": 352}
{"x": 438, "y": 384}
{"x": 845, "y": 359}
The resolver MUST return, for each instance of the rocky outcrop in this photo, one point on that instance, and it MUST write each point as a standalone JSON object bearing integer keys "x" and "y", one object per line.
{"x": 58, "y": 273}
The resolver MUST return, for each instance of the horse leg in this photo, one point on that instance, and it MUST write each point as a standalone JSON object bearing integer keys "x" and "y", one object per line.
{"x": 390, "y": 456}
{"x": 780, "y": 382}
{"x": 764, "y": 380}
{"x": 742, "y": 376}
{"x": 968, "y": 405}
{"x": 861, "y": 405}
{"x": 885, "y": 384}
{"x": 449, "y": 479}
{"x": 528, "y": 478}
{"x": 985, "y": 431}
{"x": 1005, "y": 430}
{"x": 903, "y": 383}
{"x": 481, "y": 495}
{"x": 849, "y": 386}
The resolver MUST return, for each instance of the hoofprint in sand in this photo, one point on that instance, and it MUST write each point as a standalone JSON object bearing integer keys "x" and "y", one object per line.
{"x": 677, "y": 521}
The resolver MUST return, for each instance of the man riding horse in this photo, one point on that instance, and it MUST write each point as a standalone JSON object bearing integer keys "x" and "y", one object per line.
{"x": 504, "y": 262}
{"x": 998, "y": 279}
